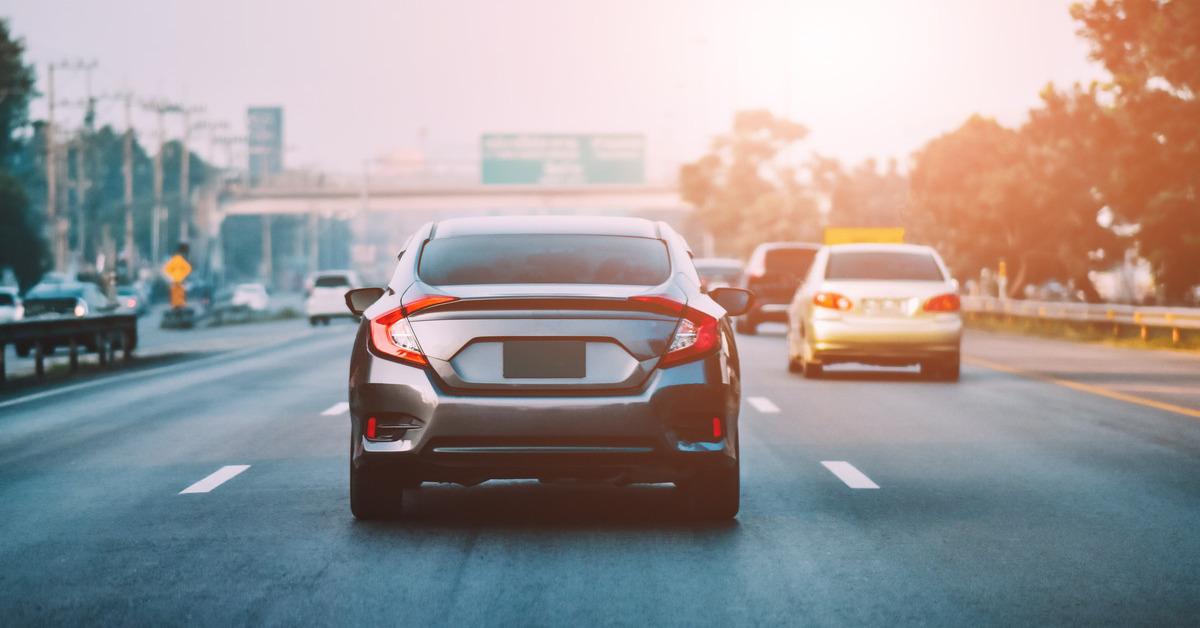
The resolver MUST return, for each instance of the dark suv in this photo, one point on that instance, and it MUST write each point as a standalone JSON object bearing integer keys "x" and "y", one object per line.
{"x": 773, "y": 273}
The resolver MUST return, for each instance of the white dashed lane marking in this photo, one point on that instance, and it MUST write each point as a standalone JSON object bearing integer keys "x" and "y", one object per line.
{"x": 336, "y": 409}
{"x": 848, "y": 474}
{"x": 762, "y": 404}
{"x": 223, "y": 475}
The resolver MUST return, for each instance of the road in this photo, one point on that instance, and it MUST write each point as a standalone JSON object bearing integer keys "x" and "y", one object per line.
{"x": 1056, "y": 484}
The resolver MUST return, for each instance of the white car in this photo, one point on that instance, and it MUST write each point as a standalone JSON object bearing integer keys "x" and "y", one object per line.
{"x": 251, "y": 295}
{"x": 877, "y": 304}
{"x": 10, "y": 305}
{"x": 327, "y": 295}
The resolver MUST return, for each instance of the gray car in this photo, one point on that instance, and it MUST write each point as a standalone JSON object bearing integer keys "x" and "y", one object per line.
{"x": 549, "y": 348}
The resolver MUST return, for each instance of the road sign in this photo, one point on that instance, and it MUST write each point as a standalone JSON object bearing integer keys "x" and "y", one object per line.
{"x": 177, "y": 268}
{"x": 563, "y": 159}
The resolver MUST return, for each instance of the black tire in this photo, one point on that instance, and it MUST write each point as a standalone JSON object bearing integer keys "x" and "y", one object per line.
{"x": 794, "y": 365}
{"x": 713, "y": 495}
{"x": 23, "y": 350}
{"x": 947, "y": 370}
{"x": 372, "y": 497}
{"x": 313, "y": 320}
{"x": 812, "y": 370}
{"x": 747, "y": 325}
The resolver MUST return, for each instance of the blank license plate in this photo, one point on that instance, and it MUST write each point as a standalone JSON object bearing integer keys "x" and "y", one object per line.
{"x": 562, "y": 359}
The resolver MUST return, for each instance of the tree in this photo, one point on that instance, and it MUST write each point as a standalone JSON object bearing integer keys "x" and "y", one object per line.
{"x": 986, "y": 193}
{"x": 1152, "y": 49}
{"x": 745, "y": 191}
{"x": 862, "y": 197}
{"x": 22, "y": 247}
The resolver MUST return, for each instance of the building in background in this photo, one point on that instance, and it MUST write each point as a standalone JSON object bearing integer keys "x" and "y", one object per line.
{"x": 264, "y": 127}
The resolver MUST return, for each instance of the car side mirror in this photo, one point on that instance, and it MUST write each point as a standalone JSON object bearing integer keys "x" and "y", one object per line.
{"x": 362, "y": 298}
{"x": 736, "y": 301}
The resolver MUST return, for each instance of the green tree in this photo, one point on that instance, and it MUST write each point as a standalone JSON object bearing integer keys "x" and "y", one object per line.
{"x": 1152, "y": 49}
{"x": 746, "y": 191}
{"x": 22, "y": 247}
{"x": 862, "y": 197}
{"x": 1028, "y": 197}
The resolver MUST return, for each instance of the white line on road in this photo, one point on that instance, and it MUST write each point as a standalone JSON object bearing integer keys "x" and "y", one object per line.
{"x": 848, "y": 474}
{"x": 223, "y": 475}
{"x": 336, "y": 409}
{"x": 764, "y": 405}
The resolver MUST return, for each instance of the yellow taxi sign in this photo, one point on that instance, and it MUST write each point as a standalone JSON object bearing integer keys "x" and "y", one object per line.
{"x": 177, "y": 268}
{"x": 854, "y": 235}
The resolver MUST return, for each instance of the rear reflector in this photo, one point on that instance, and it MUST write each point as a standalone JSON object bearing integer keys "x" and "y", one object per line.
{"x": 716, "y": 427}
{"x": 371, "y": 427}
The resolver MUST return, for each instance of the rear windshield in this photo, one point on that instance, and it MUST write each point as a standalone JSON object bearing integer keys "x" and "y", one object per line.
{"x": 893, "y": 265}
{"x": 544, "y": 258}
{"x": 6, "y": 299}
{"x": 794, "y": 261}
{"x": 331, "y": 281}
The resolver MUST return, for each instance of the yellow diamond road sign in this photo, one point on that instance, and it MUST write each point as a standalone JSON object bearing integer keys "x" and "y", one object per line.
{"x": 177, "y": 268}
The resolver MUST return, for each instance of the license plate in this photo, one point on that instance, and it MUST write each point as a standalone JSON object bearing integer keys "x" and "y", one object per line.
{"x": 557, "y": 359}
{"x": 885, "y": 307}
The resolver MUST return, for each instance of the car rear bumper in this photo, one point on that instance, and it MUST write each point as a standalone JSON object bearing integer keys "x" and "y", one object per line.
{"x": 884, "y": 343}
{"x": 662, "y": 432}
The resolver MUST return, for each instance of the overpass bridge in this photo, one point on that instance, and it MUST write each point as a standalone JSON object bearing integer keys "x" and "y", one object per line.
{"x": 279, "y": 234}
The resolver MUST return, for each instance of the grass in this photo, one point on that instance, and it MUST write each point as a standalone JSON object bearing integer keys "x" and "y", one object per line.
{"x": 1125, "y": 336}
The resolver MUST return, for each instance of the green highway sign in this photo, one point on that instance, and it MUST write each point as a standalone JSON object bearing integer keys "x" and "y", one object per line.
{"x": 563, "y": 159}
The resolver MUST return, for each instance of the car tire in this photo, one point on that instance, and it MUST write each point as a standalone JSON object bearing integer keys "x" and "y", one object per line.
{"x": 813, "y": 370}
{"x": 23, "y": 350}
{"x": 313, "y": 320}
{"x": 371, "y": 497}
{"x": 947, "y": 370}
{"x": 713, "y": 495}
{"x": 794, "y": 365}
{"x": 747, "y": 325}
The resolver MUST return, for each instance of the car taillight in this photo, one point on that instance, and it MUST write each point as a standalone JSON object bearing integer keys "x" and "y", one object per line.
{"x": 392, "y": 334}
{"x": 832, "y": 300}
{"x": 695, "y": 335}
{"x": 80, "y": 309}
{"x": 943, "y": 303}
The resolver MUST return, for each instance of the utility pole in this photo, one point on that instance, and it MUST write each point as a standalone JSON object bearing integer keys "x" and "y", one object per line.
{"x": 185, "y": 164}
{"x": 161, "y": 108}
{"x": 127, "y": 170}
{"x": 58, "y": 221}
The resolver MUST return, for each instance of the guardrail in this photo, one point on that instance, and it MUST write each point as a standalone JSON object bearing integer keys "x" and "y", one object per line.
{"x": 102, "y": 335}
{"x": 1142, "y": 317}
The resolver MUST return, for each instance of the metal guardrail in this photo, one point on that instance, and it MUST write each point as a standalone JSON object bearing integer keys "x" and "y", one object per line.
{"x": 1143, "y": 317}
{"x": 102, "y": 335}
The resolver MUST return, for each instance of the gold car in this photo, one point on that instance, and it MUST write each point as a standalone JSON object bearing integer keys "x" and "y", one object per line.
{"x": 877, "y": 304}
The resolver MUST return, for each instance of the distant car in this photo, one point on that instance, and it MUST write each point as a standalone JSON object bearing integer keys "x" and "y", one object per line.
{"x": 11, "y": 308}
{"x": 557, "y": 348}
{"x": 877, "y": 304}
{"x": 327, "y": 295}
{"x": 773, "y": 273}
{"x": 130, "y": 298}
{"x": 717, "y": 272}
{"x": 65, "y": 299}
{"x": 251, "y": 295}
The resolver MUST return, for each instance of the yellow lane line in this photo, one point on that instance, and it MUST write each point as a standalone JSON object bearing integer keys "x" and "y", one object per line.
{"x": 1085, "y": 388}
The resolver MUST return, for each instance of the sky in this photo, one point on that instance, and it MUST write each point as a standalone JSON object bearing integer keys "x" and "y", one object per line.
{"x": 359, "y": 79}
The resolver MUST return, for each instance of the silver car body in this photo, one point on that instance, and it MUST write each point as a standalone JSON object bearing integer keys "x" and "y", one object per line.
{"x": 544, "y": 378}
{"x": 878, "y": 304}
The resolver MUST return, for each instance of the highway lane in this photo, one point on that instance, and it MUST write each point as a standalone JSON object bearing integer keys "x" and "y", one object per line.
{"x": 1001, "y": 500}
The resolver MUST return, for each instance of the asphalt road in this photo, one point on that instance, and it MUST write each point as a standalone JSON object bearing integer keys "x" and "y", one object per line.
{"x": 1056, "y": 484}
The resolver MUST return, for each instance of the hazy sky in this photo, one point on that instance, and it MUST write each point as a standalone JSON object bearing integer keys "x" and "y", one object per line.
{"x": 360, "y": 78}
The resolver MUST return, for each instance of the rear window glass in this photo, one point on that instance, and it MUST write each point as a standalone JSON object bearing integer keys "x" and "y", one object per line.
{"x": 794, "y": 261}
{"x": 544, "y": 258}
{"x": 6, "y": 299}
{"x": 331, "y": 281}
{"x": 892, "y": 265}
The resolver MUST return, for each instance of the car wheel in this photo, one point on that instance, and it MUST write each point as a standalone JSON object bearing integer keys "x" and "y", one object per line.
{"x": 746, "y": 325}
{"x": 794, "y": 365}
{"x": 371, "y": 497}
{"x": 947, "y": 370}
{"x": 813, "y": 370}
{"x": 325, "y": 321}
{"x": 313, "y": 320}
{"x": 23, "y": 350}
{"x": 713, "y": 495}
